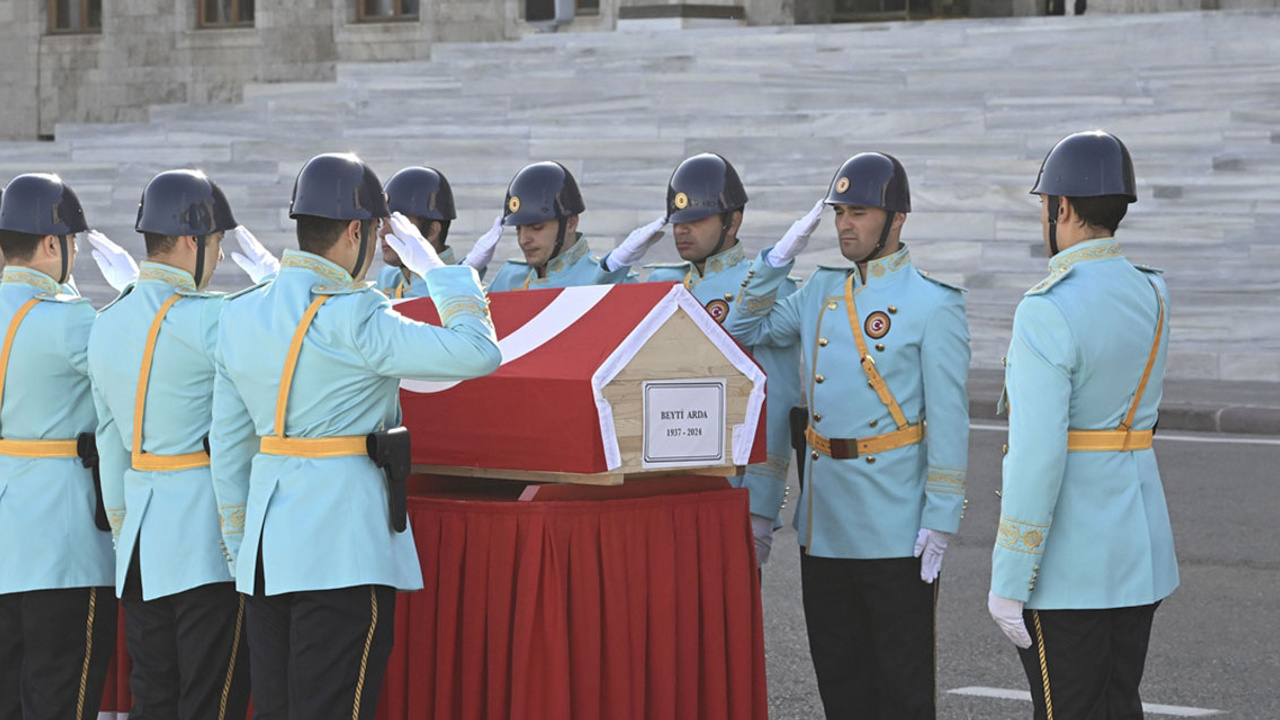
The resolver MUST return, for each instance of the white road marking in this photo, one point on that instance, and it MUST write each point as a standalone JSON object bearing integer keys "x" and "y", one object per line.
{"x": 1154, "y": 709}
{"x": 1168, "y": 437}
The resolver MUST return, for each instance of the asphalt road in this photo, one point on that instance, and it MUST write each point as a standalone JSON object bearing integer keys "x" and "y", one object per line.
{"x": 1216, "y": 641}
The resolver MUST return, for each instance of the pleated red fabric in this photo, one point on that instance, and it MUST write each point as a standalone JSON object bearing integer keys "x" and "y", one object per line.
{"x": 618, "y": 609}
{"x": 644, "y": 608}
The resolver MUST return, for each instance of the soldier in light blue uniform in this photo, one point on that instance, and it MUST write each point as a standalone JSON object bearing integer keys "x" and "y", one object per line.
{"x": 543, "y": 204}
{"x": 57, "y": 610}
{"x": 887, "y": 349}
{"x": 705, "y": 202}
{"x": 1084, "y": 552}
{"x": 423, "y": 195}
{"x": 306, "y": 395}
{"x": 151, "y": 357}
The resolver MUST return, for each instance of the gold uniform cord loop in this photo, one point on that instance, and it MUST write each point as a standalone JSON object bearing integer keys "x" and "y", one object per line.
{"x": 27, "y": 448}
{"x": 88, "y": 652}
{"x": 231, "y": 667}
{"x": 1044, "y": 666}
{"x": 364, "y": 659}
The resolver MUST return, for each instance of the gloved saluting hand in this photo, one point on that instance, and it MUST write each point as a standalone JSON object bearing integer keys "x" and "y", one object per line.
{"x": 414, "y": 250}
{"x": 930, "y": 545}
{"x": 116, "y": 265}
{"x": 796, "y": 238}
{"x": 636, "y": 245}
{"x": 256, "y": 261}
{"x": 1008, "y": 615}
{"x": 762, "y": 530}
{"x": 482, "y": 252}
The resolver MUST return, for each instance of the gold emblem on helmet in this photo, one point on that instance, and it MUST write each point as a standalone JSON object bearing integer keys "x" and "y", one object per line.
{"x": 842, "y": 184}
{"x": 513, "y": 204}
{"x": 681, "y": 201}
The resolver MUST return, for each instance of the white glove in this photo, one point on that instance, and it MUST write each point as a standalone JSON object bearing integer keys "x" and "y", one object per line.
{"x": 1008, "y": 615}
{"x": 793, "y": 242}
{"x": 414, "y": 250}
{"x": 482, "y": 252}
{"x": 762, "y": 530}
{"x": 256, "y": 261}
{"x": 636, "y": 245}
{"x": 930, "y": 545}
{"x": 117, "y": 267}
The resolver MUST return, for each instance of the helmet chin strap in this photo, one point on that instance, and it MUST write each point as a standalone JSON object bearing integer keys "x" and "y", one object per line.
{"x": 1053, "y": 225}
{"x": 560, "y": 233}
{"x": 364, "y": 250}
{"x": 884, "y": 238}
{"x": 200, "y": 245}
{"x": 726, "y": 218}
{"x": 65, "y": 275}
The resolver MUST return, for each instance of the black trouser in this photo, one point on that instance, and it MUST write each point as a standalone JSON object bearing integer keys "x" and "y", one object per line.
{"x": 1087, "y": 664}
{"x": 319, "y": 654}
{"x": 871, "y": 636}
{"x": 55, "y": 646}
{"x": 190, "y": 656}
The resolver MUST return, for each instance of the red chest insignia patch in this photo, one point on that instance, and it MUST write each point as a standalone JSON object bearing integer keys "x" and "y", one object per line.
{"x": 877, "y": 325}
{"x": 719, "y": 310}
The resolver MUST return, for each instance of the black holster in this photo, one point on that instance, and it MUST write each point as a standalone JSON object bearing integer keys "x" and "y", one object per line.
{"x": 799, "y": 420}
{"x": 87, "y": 449}
{"x": 389, "y": 450}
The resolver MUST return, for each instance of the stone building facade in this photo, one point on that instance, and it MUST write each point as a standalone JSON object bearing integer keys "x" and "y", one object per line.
{"x": 76, "y": 61}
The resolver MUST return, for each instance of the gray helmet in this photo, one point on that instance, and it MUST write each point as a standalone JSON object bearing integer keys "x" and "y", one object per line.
{"x": 871, "y": 179}
{"x": 540, "y": 192}
{"x": 701, "y": 186}
{"x": 183, "y": 202}
{"x": 1093, "y": 163}
{"x": 40, "y": 204}
{"x": 338, "y": 186}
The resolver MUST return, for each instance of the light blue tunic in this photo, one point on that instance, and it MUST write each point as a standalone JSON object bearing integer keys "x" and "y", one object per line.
{"x": 873, "y": 506}
{"x": 48, "y": 539}
{"x": 1084, "y": 530}
{"x": 572, "y": 268}
{"x": 323, "y": 523}
{"x": 170, "y": 515}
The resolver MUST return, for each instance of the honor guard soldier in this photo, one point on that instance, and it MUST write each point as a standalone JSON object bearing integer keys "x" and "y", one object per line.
{"x": 705, "y": 203}
{"x": 1084, "y": 552}
{"x": 308, "y": 462}
{"x": 57, "y": 609}
{"x": 151, "y": 357}
{"x": 423, "y": 195}
{"x": 543, "y": 204}
{"x": 887, "y": 349}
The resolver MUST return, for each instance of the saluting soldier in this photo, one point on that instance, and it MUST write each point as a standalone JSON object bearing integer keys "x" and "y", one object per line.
{"x": 705, "y": 204}
{"x": 308, "y": 462}
{"x": 887, "y": 349}
{"x": 57, "y": 609}
{"x": 543, "y": 204}
{"x": 423, "y": 195}
{"x": 1084, "y": 552}
{"x": 151, "y": 357}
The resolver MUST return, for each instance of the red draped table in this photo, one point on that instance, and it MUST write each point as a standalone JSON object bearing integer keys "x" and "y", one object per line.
{"x": 611, "y": 606}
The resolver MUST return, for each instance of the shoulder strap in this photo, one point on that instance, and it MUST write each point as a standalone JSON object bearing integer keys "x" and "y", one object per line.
{"x": 8, "y": 341}
{"x": 144, "y": 377}
{"x": 868, "y": 363}
{"x": 1151, "y": 361}
{"x": 291, "y": 362}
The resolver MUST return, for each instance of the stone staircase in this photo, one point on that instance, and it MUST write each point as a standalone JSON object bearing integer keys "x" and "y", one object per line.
{"x": 970, "y": 107}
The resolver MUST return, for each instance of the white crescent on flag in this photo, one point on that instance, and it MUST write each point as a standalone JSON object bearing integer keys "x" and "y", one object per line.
{"x": 566, "y": 309}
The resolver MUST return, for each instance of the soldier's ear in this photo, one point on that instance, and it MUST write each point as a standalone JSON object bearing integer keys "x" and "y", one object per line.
{"x": 898, "y": 220}
{"x": 570, "y": 225}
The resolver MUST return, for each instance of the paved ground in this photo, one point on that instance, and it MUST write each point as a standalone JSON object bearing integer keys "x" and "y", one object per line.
{"x": 1216, "y": 641}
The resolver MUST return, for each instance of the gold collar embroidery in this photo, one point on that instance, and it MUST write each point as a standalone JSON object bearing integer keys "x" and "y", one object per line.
{"x": 166, "y": 274}
{"x": 1103, "y": 249}
{"x": 326, "y": 269}
{"x": 883, "y": 267}
{"x": 34, "y": 278}
{"x": 715, "y": 264}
